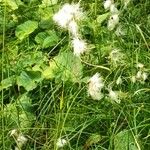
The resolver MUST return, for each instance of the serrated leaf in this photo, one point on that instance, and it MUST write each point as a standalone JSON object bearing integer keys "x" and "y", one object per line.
{"x": 102, "y": 18}
{"x": 124, "y": 140}
{"x": 23, "y": 30}
{"x": 29, "y": 79}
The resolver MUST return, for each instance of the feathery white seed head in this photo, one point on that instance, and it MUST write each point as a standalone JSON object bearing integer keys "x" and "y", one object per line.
{"x": 113, "y": 9}
{"x": 66, "y": 14}
{"x": 133, "y": 79}
{"x": 95, "y": 86}
{"x": 62, "y": 19}
{"x": 139, "y": 65}
{"x": 22, "y": 139}
{"x": 112, "y": 22}
{"x": 119, "y": 81}
{"x": 144, "y": 76}
{"x": 139, "y": 74}
{"x": 114, "y": 96}
{"x": 79, "y": 46}
{"x": 73, "y": 28}
{"x": 61, "y": 142}
{"x": 107, "y": 4}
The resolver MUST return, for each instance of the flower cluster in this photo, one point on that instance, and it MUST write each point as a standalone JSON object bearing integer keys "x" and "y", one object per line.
{"x": 67, "y": 18}
{"x": 114, "y": 18}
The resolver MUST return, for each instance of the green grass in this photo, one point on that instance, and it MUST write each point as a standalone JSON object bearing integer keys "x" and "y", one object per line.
{"x": 44, "y": 86}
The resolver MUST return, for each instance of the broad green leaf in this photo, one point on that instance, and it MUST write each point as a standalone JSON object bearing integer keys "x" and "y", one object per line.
{"x": 50, "y": 41}
{"x": 23, "y": 30}
{"x": 49, "y": 72}
{"x": 13, "y": 4}
{"x": 40, "y": 37}
{"x": 47, "y": 39}
{"x": 20, "y": 112}
{"x": 124, "y": 140}
{"x": 29, "y": 79}
{"x": 66, "y": 67}
{"x": 102, "y": 18}
{"x": 8, "y": 82}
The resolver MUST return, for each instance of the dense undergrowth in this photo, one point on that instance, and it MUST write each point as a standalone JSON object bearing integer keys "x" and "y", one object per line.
{"x": 46, "y": 103}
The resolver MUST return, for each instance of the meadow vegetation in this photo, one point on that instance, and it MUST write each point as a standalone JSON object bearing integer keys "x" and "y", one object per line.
{"x": 75, "y": 75}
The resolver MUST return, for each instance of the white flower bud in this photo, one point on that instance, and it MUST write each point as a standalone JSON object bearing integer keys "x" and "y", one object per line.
{"x": 79, "y": 46}
{"x": 95, "y": 86}
{"x": 61, "y": 143}
{"x": 113, "y": 21}
{"x": 107, "y": 4}
{"x": 113, "y": 9}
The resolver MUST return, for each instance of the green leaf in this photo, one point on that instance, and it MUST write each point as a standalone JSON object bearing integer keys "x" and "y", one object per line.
{"x": 29, "y": 79}
{"x": 23, "y": 30}
{"x": 40, "y": 37}
{"x": 93, "y": 139}
{"x": 50, "y": 41}
{"x": 46, "y": 40}
{"x": 13, "y": 3}
{"x": 49, "y": 72}
{"x": 8, "y": 82}
{"x": 20, "y": 112}
{"x": 46, "y": 3}
{"x": 124, "y": 140}
{"x": 102, "y": 18}
{"x": 66, "y": 67}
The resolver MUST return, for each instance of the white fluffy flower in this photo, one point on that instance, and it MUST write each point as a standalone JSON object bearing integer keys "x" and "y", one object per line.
{"x": 73, "y": 28}
{"x": 67, "y": 14}
{"x": 107, "y": 4}
{"x": 79, "y": 46}
{"x": 21, "y": 139}
{"x": 62, "y": 19}
{"x": 133, "y": 79}
{"x": 139, "y": 74}
{"x": 139, "y": 65}
{"x": 144, "y": 76}
{"x": 95, "y": 86}
{"x": 114, "y": 96}
{"x": 113, "y": 21}
{"x": 113, "y": 9}
{"x": 61, "y": 142}
{"x": 119, "y": 81}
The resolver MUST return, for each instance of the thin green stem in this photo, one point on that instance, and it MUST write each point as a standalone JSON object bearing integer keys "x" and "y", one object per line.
{"x": 2, "y": 102}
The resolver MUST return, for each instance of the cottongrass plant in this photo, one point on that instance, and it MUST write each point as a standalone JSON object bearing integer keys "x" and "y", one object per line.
{"x": 95, "y": 86}
{"x": 114, "y": 17}
{"x": 67, "y": 18}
